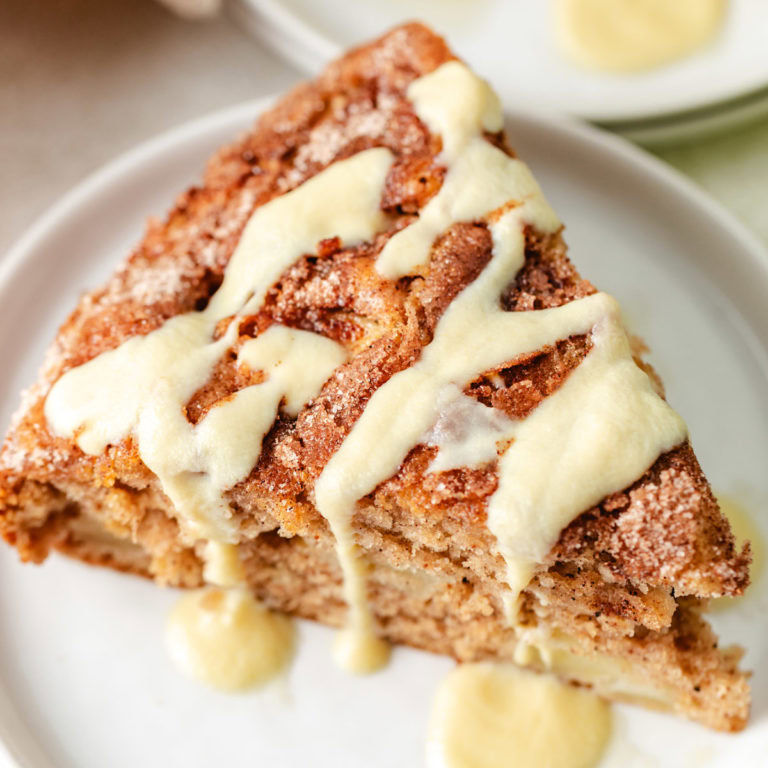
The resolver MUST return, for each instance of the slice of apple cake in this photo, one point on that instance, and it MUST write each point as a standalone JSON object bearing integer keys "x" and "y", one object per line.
{"x": 356, "y": 367}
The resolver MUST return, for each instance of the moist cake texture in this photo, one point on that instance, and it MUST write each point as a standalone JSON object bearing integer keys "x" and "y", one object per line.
{"x": 616, "y": 603}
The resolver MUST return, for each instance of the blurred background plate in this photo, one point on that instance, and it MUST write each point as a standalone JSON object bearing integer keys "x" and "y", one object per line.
{"x": 512, "y": 42}
{"x": 697, "y": 124}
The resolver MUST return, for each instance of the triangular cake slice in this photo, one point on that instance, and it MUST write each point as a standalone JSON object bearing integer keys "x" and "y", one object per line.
{"x": 358, "y": 360}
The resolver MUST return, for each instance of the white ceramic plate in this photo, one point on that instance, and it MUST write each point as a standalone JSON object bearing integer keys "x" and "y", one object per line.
{"x": 84, "y": 679}
{"x": 513, "y": 40}
{"x": 696, "y": 124}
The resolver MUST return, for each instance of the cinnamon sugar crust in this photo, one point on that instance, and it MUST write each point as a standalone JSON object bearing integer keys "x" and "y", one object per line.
{"x": 618, "y": 571}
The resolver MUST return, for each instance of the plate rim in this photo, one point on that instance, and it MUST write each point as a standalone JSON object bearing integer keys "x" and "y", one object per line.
{"x": 694, "y": 125}
{"x": 285, "y": 32}
{"x": 12, "y": 747}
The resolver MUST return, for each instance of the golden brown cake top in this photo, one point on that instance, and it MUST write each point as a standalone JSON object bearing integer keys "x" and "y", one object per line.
{"x": 666, "y": 529}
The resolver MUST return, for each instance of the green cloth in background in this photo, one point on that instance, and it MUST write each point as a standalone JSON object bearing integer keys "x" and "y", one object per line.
{"x": 733, "y": 168}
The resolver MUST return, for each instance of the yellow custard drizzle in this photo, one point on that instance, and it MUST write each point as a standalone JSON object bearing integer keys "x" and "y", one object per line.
{"x": 496, "y": 715}
{"x": 227, "y": 640}
{"x": 635, "y": 35}
{"x": 744, "y": 529}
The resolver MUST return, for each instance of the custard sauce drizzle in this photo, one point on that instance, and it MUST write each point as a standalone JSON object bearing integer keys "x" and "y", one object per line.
{"x": 141, "y": 387}
{"x": 602, "y": 429}
{"x": 596, "y": 435}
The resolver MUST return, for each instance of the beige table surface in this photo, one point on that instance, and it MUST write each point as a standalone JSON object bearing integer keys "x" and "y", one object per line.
{"x": 83, "y": 80}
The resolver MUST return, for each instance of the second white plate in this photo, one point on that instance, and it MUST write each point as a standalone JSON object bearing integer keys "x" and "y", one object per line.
{"x": 84, "y": 679}
{"x": 512, "y": 42}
